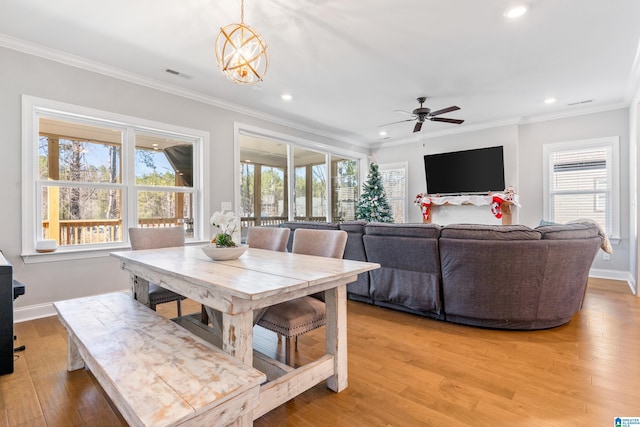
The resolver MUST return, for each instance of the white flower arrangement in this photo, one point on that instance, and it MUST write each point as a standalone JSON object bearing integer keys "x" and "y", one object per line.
{"x": 227, "y": 224}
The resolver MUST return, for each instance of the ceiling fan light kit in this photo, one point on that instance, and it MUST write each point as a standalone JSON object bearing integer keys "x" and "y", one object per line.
{"x": 241, "y": 52}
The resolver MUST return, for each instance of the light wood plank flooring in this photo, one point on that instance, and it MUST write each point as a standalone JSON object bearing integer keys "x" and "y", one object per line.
{"x": 404, "y": 370}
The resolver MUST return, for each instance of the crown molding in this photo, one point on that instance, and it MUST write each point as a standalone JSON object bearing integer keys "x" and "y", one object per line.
{"x": 633, "y": 86}
{"x": 518, "y": 121}
{"x": 100, "y": 68}
{"x": 583, "y": 111}
{"x": 417, "y": 137}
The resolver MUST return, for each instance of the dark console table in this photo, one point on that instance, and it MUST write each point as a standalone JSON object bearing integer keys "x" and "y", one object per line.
{"x": 9, "y": 290}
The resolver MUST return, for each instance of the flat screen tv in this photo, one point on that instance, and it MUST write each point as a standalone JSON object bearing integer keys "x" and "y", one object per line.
{"x": 477, "y": 171}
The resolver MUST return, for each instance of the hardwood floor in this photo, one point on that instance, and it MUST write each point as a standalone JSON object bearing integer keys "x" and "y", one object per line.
{"x": 404, "y": 370}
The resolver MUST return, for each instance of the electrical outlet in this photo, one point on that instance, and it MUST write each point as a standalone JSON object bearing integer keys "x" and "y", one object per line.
{"x": 606, "y": 256}
{"x": 225, "y": 206}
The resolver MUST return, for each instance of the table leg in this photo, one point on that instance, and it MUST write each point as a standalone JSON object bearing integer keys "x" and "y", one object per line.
{"x": 74, "y": 360}
{"x": 140, "y": 289}
{"x": 237, "y": 336}
{"x": 336, "y": 306}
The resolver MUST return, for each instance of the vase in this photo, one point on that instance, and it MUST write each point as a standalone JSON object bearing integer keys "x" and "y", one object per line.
{"x": 223, "y": 253}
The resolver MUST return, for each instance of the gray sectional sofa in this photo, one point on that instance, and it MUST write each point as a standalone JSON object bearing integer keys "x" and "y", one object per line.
{"x": 508, "y": 277}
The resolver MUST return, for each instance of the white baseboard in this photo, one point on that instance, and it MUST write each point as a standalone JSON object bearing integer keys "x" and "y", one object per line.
{"x": 624, "y": 276}
{"x": 37, "y": 311}
{"x": 32, "y": 312}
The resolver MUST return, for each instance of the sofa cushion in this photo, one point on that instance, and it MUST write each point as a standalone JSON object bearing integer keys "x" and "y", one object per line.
{"x": 568, "y": 231}
{"x": 489, "y": 232}
{"x": 353, "y": 226}
{"x": 403, "y": 230}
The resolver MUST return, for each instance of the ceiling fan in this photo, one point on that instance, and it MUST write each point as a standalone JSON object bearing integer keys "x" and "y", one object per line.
{"x": 421, "y": 114}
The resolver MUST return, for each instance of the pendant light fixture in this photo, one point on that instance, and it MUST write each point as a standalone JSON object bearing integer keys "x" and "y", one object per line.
{"x": 241, "y": 52}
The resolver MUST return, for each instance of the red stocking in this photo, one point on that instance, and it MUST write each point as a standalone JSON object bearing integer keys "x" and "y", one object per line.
{"x": 496, "y": 207}
{"x": 426, "y": 209}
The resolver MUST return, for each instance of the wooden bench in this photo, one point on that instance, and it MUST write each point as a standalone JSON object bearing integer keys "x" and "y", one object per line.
{"x": 154, "y": 371}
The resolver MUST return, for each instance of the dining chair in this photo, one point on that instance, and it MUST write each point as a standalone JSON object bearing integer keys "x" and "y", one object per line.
{"x": 271, "y": 238}
{"x": 296, "y": 317}
{"x": 155, "y": 238}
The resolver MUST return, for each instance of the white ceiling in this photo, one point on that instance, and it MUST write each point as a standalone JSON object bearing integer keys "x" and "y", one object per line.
{"x": 349, "y": 64}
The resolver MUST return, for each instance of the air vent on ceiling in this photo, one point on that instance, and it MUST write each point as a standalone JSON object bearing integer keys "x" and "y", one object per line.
{"x": 580, "y": 102}
{"x": 178, "y": 74}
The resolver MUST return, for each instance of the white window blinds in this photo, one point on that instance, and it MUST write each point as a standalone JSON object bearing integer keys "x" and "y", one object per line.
{"x": 580, "y": 183}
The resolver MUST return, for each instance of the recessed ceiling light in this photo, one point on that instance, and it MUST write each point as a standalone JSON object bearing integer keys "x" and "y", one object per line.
{"x": 516, "y": 11}
{"x": 286, "y": 96}
{"x": 550, "y": 101}
{"x": 383, "y": 133}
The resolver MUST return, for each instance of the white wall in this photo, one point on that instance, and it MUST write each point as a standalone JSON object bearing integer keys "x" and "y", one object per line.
{"x": 26, "y": 74}
{"x": 523, "y": 167}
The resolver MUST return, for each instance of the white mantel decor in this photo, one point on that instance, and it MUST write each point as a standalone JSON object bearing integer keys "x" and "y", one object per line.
{"x": 494, "y": 200}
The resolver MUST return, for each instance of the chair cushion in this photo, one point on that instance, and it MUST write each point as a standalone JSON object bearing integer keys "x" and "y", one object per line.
{"x": 294, "y": 317}
{"x": 160, "y": 295}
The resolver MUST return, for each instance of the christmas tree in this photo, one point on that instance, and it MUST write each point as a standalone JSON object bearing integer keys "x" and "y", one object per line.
{"x": 373, "y": 206}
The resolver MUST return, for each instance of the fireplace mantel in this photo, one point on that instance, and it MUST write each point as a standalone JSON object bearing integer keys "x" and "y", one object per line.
{"x": 427, "y": 202}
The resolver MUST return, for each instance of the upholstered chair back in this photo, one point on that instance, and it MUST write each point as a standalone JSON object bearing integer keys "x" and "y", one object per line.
{"x": 270, "y": 238}
{"x": 326, "y": 243}
{"x": 155, "y": 238}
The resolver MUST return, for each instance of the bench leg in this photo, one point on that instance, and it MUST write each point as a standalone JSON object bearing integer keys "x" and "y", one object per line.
{"x": 74, "y": 360}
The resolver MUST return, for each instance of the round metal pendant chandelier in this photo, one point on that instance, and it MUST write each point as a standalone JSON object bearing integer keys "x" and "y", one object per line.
{"x": 241, "y": 52}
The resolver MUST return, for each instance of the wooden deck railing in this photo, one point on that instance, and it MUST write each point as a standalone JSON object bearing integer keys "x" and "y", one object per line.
{"x": 252, "y": 221}
{"x": 83, "y": 232}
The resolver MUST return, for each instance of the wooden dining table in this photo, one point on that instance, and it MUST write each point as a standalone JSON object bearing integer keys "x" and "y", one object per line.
{"x": 239, "y": 290}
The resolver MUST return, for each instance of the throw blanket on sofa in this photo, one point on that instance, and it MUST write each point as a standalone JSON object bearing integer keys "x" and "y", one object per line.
{"x": 606, "y": 244}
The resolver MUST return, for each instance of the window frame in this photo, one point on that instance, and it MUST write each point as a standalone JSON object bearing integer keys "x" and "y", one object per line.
{"x": 612, "y": 145}
{"x": 33, "y": 108}
{"x": 405, "y": 199}
{"x": 293, "y": 142}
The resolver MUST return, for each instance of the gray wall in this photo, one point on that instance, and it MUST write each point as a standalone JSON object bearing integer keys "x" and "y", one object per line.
{"x": 533, "y": 136}
{"x": 414, "y": 152}
{"x": 30, "y": 75}
{"x": 51, "y": 281}
{"x": 523, "y": 166}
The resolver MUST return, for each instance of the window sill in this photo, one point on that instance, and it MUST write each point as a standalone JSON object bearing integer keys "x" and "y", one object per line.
{"x": 67, "y": 254}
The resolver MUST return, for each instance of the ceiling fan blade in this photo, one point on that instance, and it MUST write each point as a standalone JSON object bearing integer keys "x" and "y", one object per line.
{"x": 444, "y": 110}
{"x": 417, "y": 127}
{"x": 442, "y": 119}
{"x": 401, "y": 121}
{"x": 403, "y": 112}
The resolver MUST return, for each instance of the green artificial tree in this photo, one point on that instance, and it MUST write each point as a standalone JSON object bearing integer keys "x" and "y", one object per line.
{"x": 373, "y": 205}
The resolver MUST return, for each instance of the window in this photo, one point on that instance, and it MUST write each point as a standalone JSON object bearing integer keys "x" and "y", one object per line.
{"x": 580, "y": 182}
{"x": 345, "y": 186}
{"x": 310, "y": 189}
{"x": 281, "y": 178}
{"x": 394, "y": 181}
{"x": 89, "y": 175}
